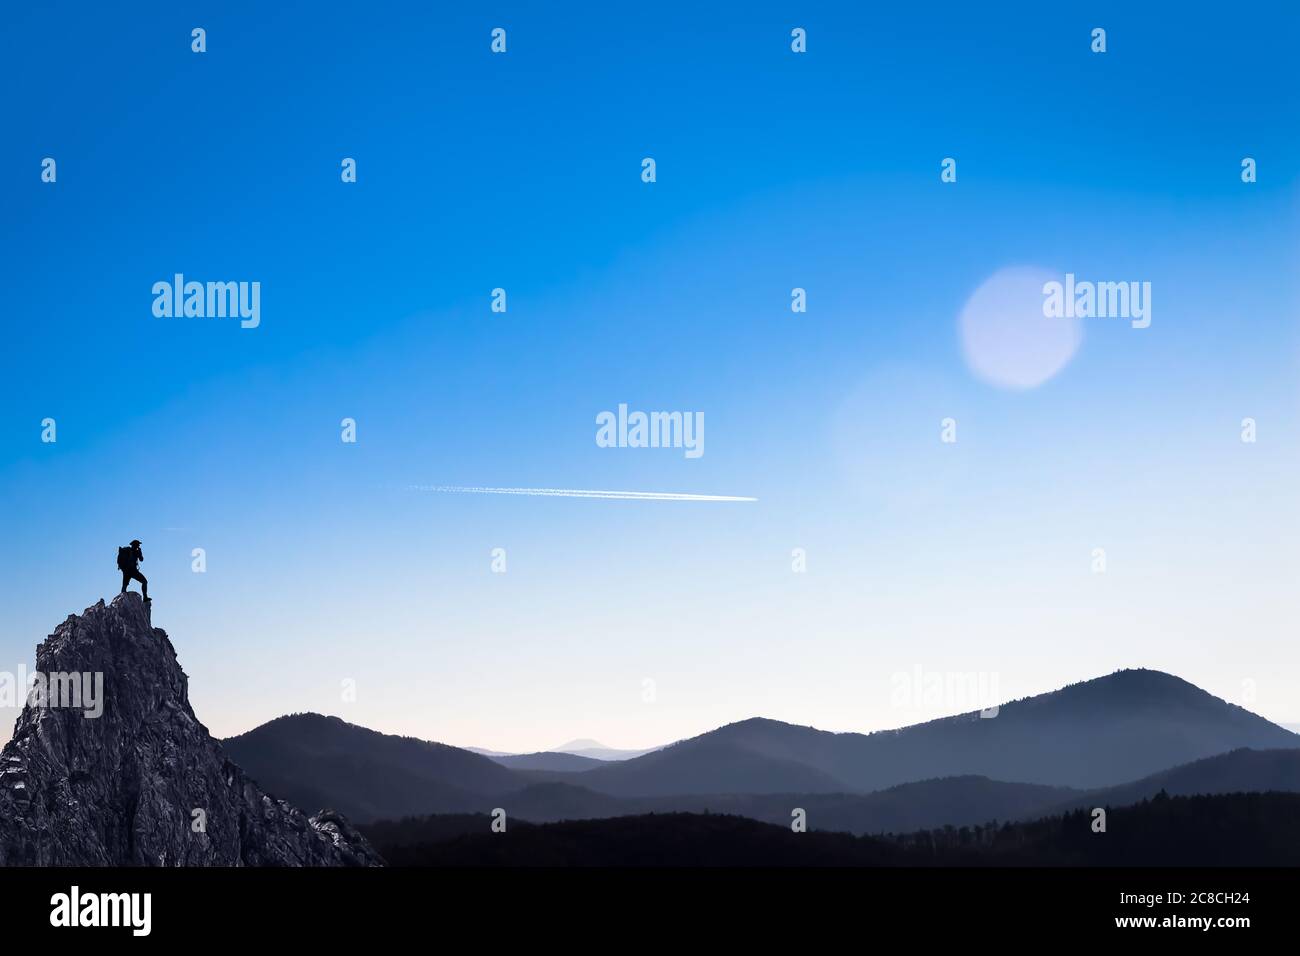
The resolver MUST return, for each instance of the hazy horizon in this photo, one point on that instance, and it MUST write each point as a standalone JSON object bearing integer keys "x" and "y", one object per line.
{"x": 589, "y": 742}
{"x": 586, "y": 741}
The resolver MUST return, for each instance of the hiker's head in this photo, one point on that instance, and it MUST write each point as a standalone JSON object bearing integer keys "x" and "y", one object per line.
{"x": 135, "y": 543}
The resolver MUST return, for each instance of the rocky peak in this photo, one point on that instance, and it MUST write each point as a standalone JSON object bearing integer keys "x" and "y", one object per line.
{"x": 140, "y": 782}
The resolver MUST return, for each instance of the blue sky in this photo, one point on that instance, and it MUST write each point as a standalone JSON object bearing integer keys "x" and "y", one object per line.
{"x": 775, "y": 170}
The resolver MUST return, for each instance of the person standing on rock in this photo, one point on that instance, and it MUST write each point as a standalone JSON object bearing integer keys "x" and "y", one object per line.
{"x": 128, "y": 562}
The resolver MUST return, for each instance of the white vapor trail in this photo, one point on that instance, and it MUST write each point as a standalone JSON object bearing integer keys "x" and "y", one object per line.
{"x": 581, "y": 493}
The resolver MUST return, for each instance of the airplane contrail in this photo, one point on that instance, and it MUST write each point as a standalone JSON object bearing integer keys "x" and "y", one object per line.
{"x": 582, "y": 493}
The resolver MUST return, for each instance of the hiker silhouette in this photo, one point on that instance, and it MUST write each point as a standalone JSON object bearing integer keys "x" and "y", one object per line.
{"x": 128, "y": 562}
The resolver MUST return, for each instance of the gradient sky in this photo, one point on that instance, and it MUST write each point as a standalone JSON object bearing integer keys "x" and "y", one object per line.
{"x": 775, "y": 170}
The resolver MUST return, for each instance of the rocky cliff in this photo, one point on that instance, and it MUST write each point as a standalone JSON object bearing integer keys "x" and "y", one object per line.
{"x": 141, "y": 783}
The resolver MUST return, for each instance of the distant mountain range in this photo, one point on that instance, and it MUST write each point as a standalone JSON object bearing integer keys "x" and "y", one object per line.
{"x": 590, "y": 753}
{"x": 1097, "y": 733}
{"x": 1187, "y": 779}
{"x": 598, "y": 751}
{"x": 956, "y": 801}
{"x": 1112, "y": 740}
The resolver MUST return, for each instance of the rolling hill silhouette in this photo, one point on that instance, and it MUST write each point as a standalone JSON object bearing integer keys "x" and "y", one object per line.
{"x": 306, "y": 757}
{"x": 546, "y": 760}
{"x": 1235, "y": 829}
{"x": 1038, "y": 754}
{"x": 1238, "y": 771}
{"x": 956, "y": 801}
{"x": 1098, "y": 733}
{"x": 912, "y": 806}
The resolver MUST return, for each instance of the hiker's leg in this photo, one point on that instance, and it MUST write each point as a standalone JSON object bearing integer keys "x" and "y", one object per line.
{"x": 126, "y": 580}
{"x": 144, "y": 585}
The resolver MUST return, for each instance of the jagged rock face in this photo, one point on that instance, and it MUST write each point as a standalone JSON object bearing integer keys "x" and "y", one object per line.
{"x": 122, "y": 788}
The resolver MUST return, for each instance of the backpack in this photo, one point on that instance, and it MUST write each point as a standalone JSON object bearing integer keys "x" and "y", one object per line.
{"x": 124, "y": 556}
